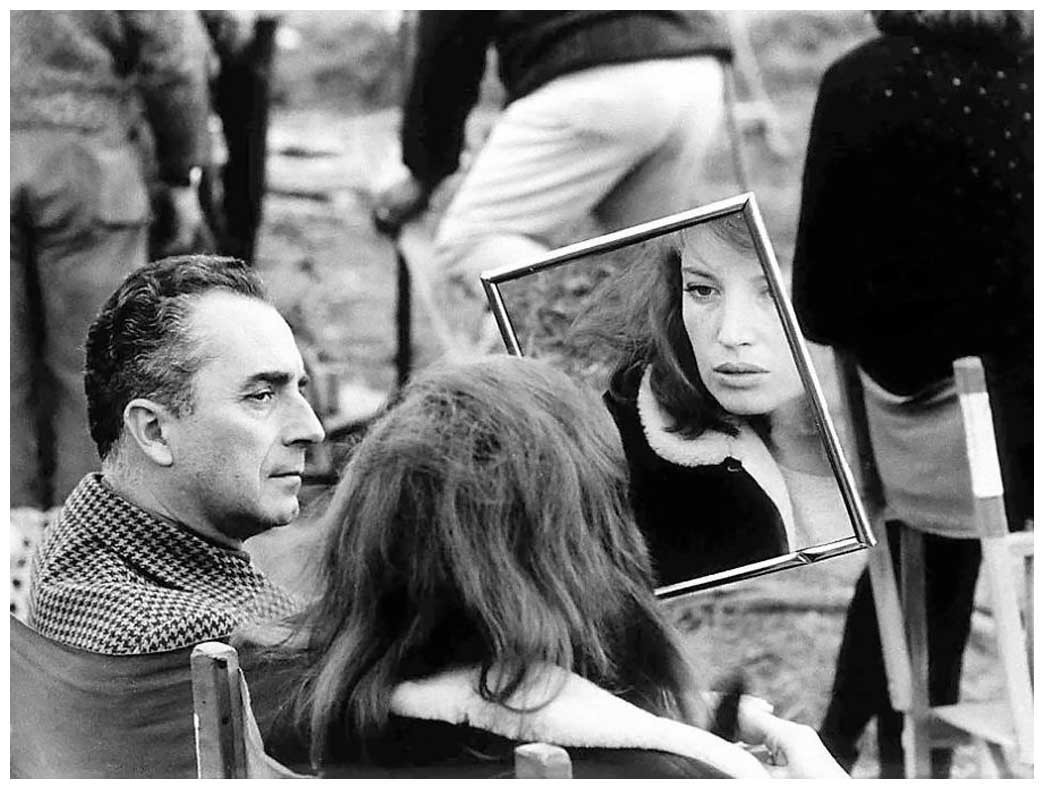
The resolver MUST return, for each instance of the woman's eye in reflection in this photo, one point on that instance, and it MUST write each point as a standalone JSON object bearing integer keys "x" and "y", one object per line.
{"x": 700, "y": 290}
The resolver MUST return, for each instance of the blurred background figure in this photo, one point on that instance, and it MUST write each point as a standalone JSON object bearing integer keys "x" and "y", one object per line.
{"x": 238, "y": 57}
{"x": 608, "y": 112}
{"x": 79, "y": 205}
{"x": 243, "y": 44}
{"x": 914, "y": 248}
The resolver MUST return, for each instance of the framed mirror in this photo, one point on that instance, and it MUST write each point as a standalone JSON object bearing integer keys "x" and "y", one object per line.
{"x": 685, "y": 328}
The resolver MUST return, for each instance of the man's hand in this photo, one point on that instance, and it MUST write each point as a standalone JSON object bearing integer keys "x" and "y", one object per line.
{"x": 399, "y": 203}
{"x": 182, "y": 227}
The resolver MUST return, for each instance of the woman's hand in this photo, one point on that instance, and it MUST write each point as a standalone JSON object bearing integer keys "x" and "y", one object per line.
{"x": 796, "y": 745}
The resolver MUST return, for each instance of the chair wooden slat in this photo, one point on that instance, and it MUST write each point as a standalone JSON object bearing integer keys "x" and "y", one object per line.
{"x": 988, "y": 720}
{"x": 916, "y": 739}
{"x": 220, "y": 748}
{"x": 541, "y": 760}
{"x": 992, "y": 524}
{"x": 895, "y": 651}
{"x": 1020, "y": 543}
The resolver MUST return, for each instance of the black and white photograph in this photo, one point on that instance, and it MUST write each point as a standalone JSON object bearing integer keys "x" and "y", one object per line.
{"x": 453, "y": 394}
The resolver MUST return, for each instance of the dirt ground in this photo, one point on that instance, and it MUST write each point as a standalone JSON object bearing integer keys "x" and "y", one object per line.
{"x": 334, "y": 278}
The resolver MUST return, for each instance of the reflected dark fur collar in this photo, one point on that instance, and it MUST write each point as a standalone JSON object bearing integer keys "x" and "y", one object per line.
{"x": 711, "y": 448}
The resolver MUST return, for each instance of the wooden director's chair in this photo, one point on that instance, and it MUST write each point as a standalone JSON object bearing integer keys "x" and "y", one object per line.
{"x": 1001, "y": 728}
{"x": 228, "y": 741}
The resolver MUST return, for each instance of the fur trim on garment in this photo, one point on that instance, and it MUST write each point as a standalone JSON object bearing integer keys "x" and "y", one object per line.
{"x": 711, "y": 448}
{"x": 565, "y": 709}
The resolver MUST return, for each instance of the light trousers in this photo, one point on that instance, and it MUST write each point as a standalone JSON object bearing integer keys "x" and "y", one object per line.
{"x": 624, "y": 142}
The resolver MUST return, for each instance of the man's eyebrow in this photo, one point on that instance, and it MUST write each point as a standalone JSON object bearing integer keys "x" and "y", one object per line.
{"x": 275, "y": 378}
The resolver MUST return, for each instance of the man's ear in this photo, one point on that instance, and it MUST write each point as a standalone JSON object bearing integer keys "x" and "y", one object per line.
{"x": 147, "y": 422}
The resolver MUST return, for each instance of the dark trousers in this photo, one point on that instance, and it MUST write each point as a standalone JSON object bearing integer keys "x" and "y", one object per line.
{"x": 860, "y": 689}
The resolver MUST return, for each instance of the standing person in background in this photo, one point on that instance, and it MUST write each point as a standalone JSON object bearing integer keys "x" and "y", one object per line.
{"x": 914, "y": 248}
{"x": 608, "y": 112}
{"x": 243, "y": 48}
{"x": 79, "y": 205}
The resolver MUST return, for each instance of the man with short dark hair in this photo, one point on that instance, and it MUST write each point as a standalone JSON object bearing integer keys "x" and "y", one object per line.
{"x": 194, "y": 389}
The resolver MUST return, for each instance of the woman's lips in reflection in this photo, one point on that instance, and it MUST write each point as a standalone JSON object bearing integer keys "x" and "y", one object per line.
{"x": 739, "y": 375}
{"x": 739, "y": 368}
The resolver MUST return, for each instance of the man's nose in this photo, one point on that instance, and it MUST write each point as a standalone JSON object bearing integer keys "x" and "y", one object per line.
{"x": 304, "y": 426}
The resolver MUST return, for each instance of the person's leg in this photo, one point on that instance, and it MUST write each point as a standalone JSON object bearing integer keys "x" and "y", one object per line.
{"x": 891, "y": 757}
{"x": 1010, "y": 386}
{"x": 467, "y": 313}
{"x": 951, "y": 569}
{"x": 27, "y": 477}
{"x": 550, "y": 159}
{"x": 93, "y": 211}
{"x": 859, "y": 681}
{"x": 555, "y": 155}
{"x": 860, "y": 690}
{"x": 669, "y": 180}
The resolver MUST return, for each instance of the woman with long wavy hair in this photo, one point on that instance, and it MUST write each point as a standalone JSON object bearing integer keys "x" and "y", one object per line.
{"x": 701, "y": 370}
{"x": 484, "y": 584}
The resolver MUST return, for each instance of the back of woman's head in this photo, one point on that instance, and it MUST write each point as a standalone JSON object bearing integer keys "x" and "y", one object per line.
{"x": 483, "y": 521}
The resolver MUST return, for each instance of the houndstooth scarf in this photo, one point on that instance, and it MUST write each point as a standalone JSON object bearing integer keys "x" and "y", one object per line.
{"x": 110, "y": 577}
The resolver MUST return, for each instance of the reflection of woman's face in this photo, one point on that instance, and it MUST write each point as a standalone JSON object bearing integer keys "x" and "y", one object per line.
{"x": 732, "y": 323}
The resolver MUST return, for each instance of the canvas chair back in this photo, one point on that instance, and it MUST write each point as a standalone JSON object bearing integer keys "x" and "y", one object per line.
{"x": 79, "y": 714}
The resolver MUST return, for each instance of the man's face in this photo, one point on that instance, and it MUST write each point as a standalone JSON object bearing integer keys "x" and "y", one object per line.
{"x": 736, "y": 334}
{"x": 238, "y": 456}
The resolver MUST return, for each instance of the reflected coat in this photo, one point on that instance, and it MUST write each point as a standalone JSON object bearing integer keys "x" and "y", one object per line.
{"x": 721, "y": 507}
